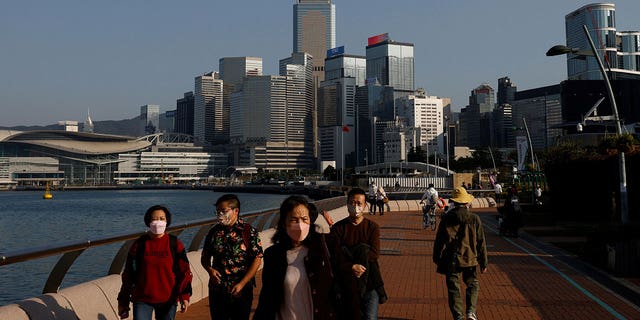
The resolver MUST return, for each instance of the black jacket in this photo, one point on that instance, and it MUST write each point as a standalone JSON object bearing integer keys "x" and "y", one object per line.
{"x": 319, "y": 272}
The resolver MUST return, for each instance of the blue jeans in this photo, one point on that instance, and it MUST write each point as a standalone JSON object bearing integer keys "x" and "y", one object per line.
{"x": 164, "y": 311}
{"x": 369, "y": 303}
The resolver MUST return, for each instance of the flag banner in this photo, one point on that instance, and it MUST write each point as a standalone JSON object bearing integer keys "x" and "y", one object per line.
{"x": 522, "y": 147}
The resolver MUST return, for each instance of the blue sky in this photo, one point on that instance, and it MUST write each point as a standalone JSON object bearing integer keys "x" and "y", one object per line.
{"x": 59, "y": 59}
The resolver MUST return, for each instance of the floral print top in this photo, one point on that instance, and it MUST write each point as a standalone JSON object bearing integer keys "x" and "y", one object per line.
{"x": 232, "y": 254}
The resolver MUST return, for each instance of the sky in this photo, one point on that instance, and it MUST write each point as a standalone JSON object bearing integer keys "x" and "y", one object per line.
{"x": 60, "y": 60}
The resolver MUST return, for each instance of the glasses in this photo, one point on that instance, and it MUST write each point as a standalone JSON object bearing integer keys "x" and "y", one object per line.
{"x": 223, "y": 212}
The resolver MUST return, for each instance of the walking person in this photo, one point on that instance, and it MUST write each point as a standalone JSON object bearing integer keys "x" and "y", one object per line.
{"x": 359, "y": 272}
{"x": 297, "y": 277}
{"x": 381, "y": 195}
{"x": 156, "y": 276}
{"x": 232, "y": 254}
{"x": 373, "y": 189}
{"x": 459, "y": 249}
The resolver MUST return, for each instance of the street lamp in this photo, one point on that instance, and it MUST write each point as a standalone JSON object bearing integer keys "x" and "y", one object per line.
{"x": 560, "y": 49}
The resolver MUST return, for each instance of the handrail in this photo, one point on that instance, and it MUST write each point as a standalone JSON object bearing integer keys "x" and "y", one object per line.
{"x": 73, "y": 249}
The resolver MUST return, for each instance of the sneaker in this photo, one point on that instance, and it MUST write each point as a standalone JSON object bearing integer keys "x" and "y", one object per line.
{"x": 471, "y": 316}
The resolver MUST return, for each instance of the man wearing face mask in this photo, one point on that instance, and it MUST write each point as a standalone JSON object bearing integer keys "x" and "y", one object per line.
{"x": 156, "y": 276}
{"x": 360, "y": 277}
{"x": 297, "y": 276}
{"x": 232, "y": 254}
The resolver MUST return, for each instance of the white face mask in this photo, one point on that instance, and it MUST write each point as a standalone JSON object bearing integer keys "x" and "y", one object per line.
{"x": 356, "y": 211}
{"x": 298, "y": 231}
{"x": 225, "y": 217}
{"x": 157, "y": 226}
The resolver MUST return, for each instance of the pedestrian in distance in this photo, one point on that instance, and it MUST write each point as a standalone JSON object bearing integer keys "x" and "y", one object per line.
{"x": 498, "y": 192}
{"x": 359, "y": 273}
{"x": 381, "y": 195}
{"x": 459, "y": 249}
{"x": 156, "y": 276}
{"x": 297, "y": 278}
{"x": 232, "y": 254}
{"x": 371, "y": 197}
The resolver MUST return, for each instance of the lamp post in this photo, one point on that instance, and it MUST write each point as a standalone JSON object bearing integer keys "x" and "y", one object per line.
{"x": 560, "y": 49}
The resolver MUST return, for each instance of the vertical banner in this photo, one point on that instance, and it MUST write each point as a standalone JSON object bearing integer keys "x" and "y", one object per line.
{"x": 522, "y": 147}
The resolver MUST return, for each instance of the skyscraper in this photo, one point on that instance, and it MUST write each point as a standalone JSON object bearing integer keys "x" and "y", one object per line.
{"x": 184, "y": 114}
{"x": 391, "y": 63}
{"x": 149, "y": 119}
{"x": 314, "y": 31}
{"x": 208, "y": 113}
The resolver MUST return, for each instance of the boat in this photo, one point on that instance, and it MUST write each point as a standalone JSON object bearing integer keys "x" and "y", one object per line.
{"x": 47, "y": 193}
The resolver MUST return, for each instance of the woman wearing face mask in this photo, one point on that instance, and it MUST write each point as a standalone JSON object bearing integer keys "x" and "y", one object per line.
{"x": 297, "y": 276}
{"x": 156, "y": 276}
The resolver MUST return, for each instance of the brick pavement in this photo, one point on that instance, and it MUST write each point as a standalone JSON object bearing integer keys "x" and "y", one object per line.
{"x": 522, "y": 281}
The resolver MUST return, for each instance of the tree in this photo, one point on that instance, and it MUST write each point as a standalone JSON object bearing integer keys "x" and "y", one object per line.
{"x": 330, "y": 173}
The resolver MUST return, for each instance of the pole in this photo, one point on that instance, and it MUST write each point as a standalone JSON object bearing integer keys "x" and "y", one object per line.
{"x": 624, "y": 201}
{"x": 533, "y": 157}
{"x": 447, "y": 135}
{"x": 342, "y": 156}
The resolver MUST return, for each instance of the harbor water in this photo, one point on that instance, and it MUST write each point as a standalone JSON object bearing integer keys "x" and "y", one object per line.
{"x": 27, "y": 220}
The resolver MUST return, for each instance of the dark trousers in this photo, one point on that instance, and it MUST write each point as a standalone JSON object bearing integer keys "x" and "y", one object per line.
{"x": 372, "y": 204}
{"x": 222, "y": 306}
{"x": 380, "y": 206}
{"x": 470, "y": 279}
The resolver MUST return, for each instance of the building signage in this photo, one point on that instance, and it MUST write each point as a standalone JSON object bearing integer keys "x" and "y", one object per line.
{"x": 377, "y": 39}
{"x": 335, "y": 51}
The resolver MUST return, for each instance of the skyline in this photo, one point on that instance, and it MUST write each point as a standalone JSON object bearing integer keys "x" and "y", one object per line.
{"x": 111, "y": 58}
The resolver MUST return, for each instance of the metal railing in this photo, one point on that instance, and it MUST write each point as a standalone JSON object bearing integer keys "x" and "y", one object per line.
{"x": 70, "y": 251}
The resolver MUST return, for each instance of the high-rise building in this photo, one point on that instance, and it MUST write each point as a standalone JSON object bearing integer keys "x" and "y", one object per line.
{"x": 300, "y": 103}
{"x": 233, "y": 70}
{"x": 208, "y": 113}
{"x": 314, "y": 31}
{"x": 184, "y": 114}
{"x": 336, "y": 121}
{"x": 475, "y": 119}
{"x": 424, "y": 112}
{"x": 264, "y": 131}
{"x": 391, "y": 63}
{"x": 618, "y": 50}
{"x": 506, "y": 90}
{"x": 149, "y": 119}
{"x": 342, "y": 65}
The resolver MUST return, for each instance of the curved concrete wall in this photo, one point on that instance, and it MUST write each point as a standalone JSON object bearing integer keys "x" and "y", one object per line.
{"x": 97, "y": 299}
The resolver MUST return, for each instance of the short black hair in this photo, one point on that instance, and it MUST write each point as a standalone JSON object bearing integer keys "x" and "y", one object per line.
{"x": 430, "y": 185}
{"x": 147, "y": 215}
{"x": 233, "y": 200}
{"x": 354, "y": 192}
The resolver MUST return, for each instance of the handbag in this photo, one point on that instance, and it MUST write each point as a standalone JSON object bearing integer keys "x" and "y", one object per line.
{"x": 385, "y": 200}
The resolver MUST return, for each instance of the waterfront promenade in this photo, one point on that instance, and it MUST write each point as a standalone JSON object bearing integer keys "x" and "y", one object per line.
{"x": 526, "y": 279}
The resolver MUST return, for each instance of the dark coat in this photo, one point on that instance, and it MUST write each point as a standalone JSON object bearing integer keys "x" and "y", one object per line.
{"x": 472, "y": 249}
{"x": 319, "y": 272}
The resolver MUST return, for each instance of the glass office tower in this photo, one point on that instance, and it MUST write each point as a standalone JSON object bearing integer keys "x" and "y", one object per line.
{"x": 314, "y": 31}
{"x": 600, "y": 19}
{"x": 391, "y": 63}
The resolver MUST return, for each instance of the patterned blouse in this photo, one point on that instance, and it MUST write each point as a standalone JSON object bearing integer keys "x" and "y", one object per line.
{"x": 233, "y": 250}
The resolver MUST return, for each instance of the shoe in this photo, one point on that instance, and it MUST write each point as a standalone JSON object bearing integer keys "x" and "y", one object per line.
{"x": 471, "y": 316}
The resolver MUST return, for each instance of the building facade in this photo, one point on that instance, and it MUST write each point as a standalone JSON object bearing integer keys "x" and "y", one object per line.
{"x": 426, "y": 113}
{"x": 391, "y": 63}
{"x": 149, "y": 119}
{"x": 184, "y": 114}
{"x": 208, "y": 113}
{"x": 314, "y": 31}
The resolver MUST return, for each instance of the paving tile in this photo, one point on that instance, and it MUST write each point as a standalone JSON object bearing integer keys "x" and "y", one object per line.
{"x": 522, "y": 282}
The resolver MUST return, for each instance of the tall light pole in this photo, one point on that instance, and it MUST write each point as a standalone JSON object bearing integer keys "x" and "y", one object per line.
{"x": 558, "y": 50}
